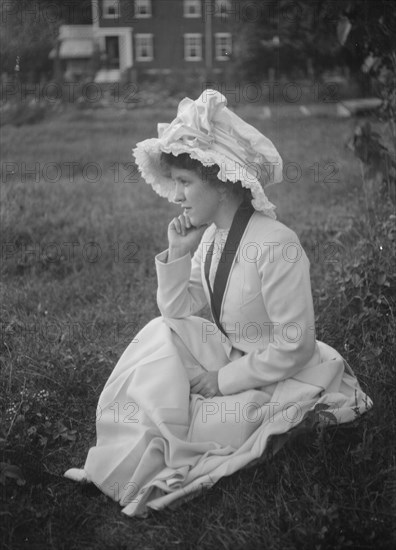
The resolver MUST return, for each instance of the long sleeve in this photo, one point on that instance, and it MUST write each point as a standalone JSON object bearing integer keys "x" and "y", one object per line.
{"x": 180, "y": 291}
{"x": 283, "y": 269}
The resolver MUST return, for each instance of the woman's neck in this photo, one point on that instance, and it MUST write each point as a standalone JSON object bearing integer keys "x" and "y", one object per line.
{"x": 226, "y": 213}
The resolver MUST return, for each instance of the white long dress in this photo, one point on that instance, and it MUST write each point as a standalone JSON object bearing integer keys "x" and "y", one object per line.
{"x": 158, "y": 445}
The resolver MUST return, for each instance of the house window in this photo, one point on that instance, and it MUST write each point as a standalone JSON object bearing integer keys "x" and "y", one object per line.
{"x": 144, "y": 47}
{"x": 192, "y": 8}
{"x": 223, "y": 42}
{"x": 111, "y": 9}
{"x": 142, "y": 8}
{"x": 222, "y": 8}
{"x": 193, "y": 47}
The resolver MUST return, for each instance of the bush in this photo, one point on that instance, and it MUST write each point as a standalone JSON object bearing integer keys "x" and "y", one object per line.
{"x": 365, "y": 286}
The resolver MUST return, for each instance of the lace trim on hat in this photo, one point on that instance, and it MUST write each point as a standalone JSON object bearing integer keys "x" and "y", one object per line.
{"x": 147, "y": 154}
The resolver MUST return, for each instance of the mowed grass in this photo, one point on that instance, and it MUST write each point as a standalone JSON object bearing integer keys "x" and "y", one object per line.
{"x": 79, "y": 281}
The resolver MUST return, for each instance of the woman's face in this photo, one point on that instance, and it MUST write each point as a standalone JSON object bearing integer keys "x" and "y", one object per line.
{"x": 199, "y": 199}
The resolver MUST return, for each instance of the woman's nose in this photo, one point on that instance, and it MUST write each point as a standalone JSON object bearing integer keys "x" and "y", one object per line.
{"x": 179, "y": 192}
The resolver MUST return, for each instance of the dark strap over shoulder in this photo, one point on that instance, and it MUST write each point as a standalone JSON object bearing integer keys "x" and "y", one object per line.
{"x": 237, "y": 229}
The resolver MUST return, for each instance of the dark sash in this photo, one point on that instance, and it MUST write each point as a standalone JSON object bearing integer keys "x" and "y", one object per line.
{"x": 237, "y": 229}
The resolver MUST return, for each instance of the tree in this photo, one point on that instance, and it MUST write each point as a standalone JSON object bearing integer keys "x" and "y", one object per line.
{"x": 292, "y": 37}
{"x": 306, "y": 32}
{"x": 29, "y": 30}
{"x": 370, "y": 27}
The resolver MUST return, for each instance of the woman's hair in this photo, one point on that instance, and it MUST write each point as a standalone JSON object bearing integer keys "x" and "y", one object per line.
{"x": 207, "y": 173}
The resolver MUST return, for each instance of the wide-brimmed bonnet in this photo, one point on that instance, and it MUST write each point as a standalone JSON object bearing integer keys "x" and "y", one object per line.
{"x": 212, "y": 134}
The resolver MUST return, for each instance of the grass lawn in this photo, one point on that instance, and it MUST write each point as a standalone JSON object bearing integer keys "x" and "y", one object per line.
{"x": 79, "y": 235}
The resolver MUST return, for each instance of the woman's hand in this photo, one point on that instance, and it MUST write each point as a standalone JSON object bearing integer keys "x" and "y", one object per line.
{"x": 207, "y": 384}
{"x": 183, "y": 237}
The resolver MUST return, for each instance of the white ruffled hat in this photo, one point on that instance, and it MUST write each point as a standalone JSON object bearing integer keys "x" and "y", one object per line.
{"x": 209, "y": 132}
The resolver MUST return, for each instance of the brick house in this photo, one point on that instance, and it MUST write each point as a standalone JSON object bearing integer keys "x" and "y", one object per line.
{"x": 130, "y": 38}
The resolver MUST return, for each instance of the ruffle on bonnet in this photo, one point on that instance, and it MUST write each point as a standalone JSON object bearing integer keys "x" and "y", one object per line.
{"x": 211, "y": 133}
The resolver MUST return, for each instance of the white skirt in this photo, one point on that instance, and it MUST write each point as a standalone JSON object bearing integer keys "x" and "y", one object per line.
{"x": 158, "y": 445}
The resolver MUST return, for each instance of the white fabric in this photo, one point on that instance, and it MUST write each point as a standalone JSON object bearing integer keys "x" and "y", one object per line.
{"x": 220, "y": 237}
{"x": 158, "y": 445}
{"x": 211, "y": 133}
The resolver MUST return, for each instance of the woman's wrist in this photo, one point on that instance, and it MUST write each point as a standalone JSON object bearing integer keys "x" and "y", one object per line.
{"x": 176, "y": 252}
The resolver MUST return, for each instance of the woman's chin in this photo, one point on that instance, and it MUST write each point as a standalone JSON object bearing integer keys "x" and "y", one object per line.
{"x": 196, "y": 222}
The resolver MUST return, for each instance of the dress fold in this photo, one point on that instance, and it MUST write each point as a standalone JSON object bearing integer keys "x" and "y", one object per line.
{"x": 166, "y": 446}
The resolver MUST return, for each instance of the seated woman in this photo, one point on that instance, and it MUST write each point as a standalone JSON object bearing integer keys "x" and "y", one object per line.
{"x": 192, "y": 400}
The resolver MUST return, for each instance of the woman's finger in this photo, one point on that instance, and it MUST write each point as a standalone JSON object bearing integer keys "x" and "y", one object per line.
{"x": 183, "y": 225}
{"x": 196, "y": 387}
{"x": 187, "y": 220}
{"x": 176, "y": 225}
{"x": 180, "y": 226}
{"x": 196, "y": 379}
